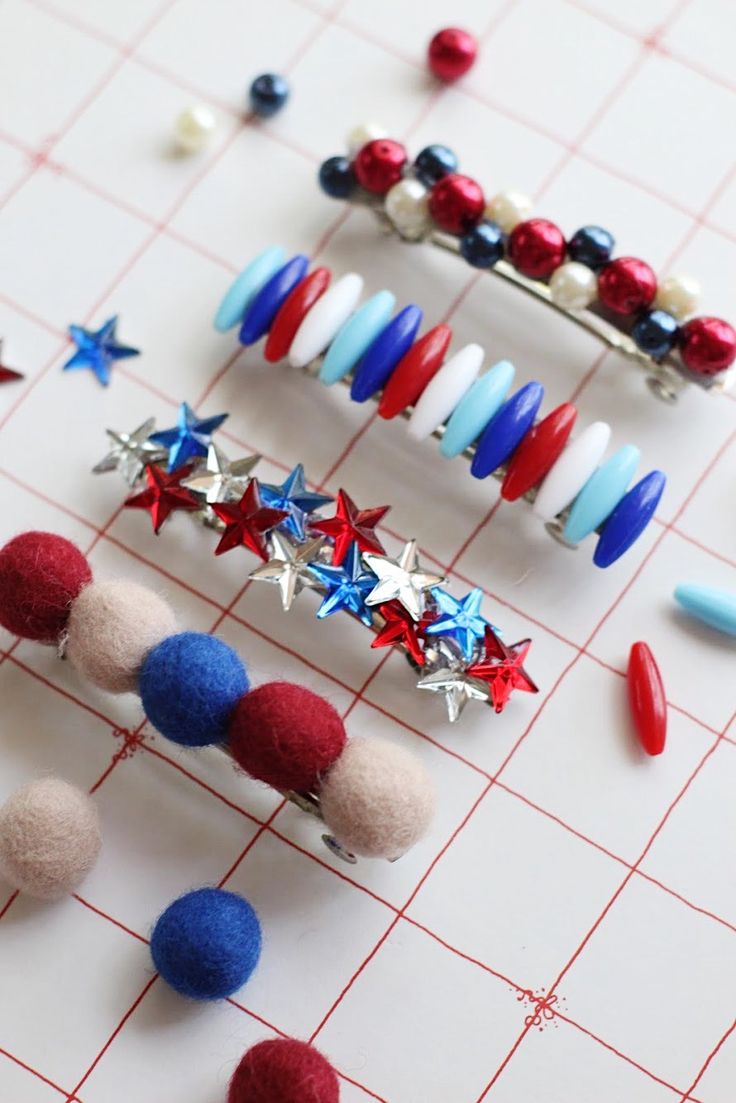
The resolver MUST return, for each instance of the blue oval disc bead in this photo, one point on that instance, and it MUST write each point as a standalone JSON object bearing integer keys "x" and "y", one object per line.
{"x": 629, "y": 519}
{"x": 245, "y": 287}
{"x": 505, "y": 431}
{"x": 603, "y": 491}
{"x": 716, "y": 608}
{"x": 355, "y": 336}
{"x": 336, "y": 177}
{"x": 262, "y": 310}
{"x": 434, "y": 162}
{"x": 483, "y": 245}
{"x": 385, "y": 353}
{"x": 591, "y": 245}
{"x": 655, "y": 333}
{"x": 476, "y": 408}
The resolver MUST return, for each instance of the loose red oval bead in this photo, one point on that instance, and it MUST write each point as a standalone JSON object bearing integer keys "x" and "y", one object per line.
{"x": 456, "y": 203}
{"x": 627, "y": 285}
{"x": 414, "y": 371}
{"x": 538, "y": 451}
{"x": 292, "y": 311}
{"x": 536, "y": 247}
{"x": 708, "y": 345}
{"x": 451, "y": 53}
{"x": 647, "y": 699}
{"x": 379, "y": 165}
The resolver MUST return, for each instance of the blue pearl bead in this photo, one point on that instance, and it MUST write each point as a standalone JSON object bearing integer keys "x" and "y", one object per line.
{"x": 433, "y": 163}
{"x": 268, "y": 94}
{"x": 336, "y": 177}
{"x": 655, "y": 333}
{"x": 262, "y": 310}
{"x": 591, "y": 245}
{"x": 629, "y": 519}
{"x": 385, "y": 353}
{"x": 483, "y": 245}
{"x": 504, "y": 432}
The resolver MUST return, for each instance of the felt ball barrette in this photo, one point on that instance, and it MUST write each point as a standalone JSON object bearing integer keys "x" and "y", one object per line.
{"x": 617, "y": 299}
{"x": 323, "y": 329}
{"x": 458, "y": 654}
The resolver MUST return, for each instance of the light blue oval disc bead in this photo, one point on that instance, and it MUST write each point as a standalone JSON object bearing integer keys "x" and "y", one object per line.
{"x": 245, "y": 287}
{"x": 600, "y": 495}
{"x": 716, "y": 608}
{"x": 385, "y": 353}
{"x": 504, "y": 432}
{"x": 355, "y": 336}
{"x": 266, "y": 302}
{"x": 476, "y": 408}
{"x": 629, "y": 519}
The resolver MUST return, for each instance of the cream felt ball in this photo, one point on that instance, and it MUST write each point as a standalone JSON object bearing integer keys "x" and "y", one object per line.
{"x": 49, "y": 838}
{"x": 377, "y": 799}
{"x": 112, "y": 627}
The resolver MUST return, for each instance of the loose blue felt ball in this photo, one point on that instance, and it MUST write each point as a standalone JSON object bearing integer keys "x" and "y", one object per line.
{"x": 434, "y": 162}
{"x": 483, "y": 245}
{"x": 655, "y": 333}
{"x": 336, "y": 177}
{"x": 207, "y": 943}
{"x": 268, "y": 94}
{"x": 189, "y": 684}
{"x": 591, "y": 245}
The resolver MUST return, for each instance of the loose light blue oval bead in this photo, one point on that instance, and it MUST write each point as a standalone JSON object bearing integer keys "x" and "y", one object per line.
{"x": 629, "y": 519}
{"x": 504, "y": 432}
{"x": 266, "y": 302}
{"x": 246, "y": 286}
{"x": 355, "y": 336}
{"x": 600, "y": 495}
{"x": 476, "y": 408}
{"x": 716, "y": 608}
{"x": 385, "y": 352}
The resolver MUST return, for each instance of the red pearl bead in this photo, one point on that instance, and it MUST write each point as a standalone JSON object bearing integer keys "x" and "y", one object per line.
{"x": 627, "y": 285}
{"x": 379, "y": 165}
{"x": 708, "y": 345}
{"x": 451, "y": 53}
{"x": 536, "y": 247}
{"x": 456, "y": 203}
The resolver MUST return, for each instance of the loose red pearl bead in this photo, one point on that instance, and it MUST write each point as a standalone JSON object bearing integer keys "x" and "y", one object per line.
{"x": 536, "y": 247}
{"x": 451, "y": 53}
{"x": 456, "y": 203}
{"x": 627, "y": 285}
{"x": 379, "y": 165}
{"x": 708, "y": 345}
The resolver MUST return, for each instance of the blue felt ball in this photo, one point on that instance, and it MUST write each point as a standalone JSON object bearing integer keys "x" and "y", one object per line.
{"x": 483, "y": 245}
{"x": 189, "y": 684}
{"x": 207, "y": 943}
{"x": 655, "y": 333}
{"x": 434, "y": 162}
{"x": 268, "y": 94}
{"x": 591, "y": 245}
{"x": 336, "y": 177}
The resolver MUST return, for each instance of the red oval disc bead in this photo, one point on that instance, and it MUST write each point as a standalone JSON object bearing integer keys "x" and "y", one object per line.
{"x": 708, "y": 345}
{"x": 456, "y": 203}
{"x": 647, "y": 699}
{"x": 414, "y": 371}
{"x": 379, "y": 165}
{"x": 451, "y": 53}
{"x": 538, "y": 451}
{"x": 536, "y": 247}
{"x": 627, "y": 285}
{"x": 292, "y": 311}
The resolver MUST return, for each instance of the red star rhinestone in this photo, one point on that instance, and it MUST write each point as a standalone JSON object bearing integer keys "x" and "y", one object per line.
{"x": 501, "y": 668}
{"x": 7, "y": 375}
{"x": 247, "y": 522}
{"x": 163, "y": 495}
{"x": 349, "y": 524}
{"x": 401, "y": 630}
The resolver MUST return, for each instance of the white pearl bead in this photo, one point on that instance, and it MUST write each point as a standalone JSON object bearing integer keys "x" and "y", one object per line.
{"x": 407, "y": 205}
{"x": 365, "y": 132}
{"x": 508, "y": 209}
{"x": 193, "y": 128}
{"x": 678, "y": 295}
{"x": 573, "y": 286}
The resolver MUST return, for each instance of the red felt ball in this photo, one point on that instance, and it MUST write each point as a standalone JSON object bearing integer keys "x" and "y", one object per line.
{"x": 456, "y": 203}
{"x": 451, "y": 53}
{"x": 379, "y": 165}
{"x": 282, "y": 1070}
{"x": 708, "y": 345}
{"x": 285, "y": 735}
{"x": 536, "y": 247}
{"x": 40, "y": 575}
{"x": 627, "y": 285}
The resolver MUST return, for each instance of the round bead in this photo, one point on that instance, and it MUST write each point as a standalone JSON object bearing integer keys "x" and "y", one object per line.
{"x": 434, "y": 162}
{"x": 451, "y": 53}
{"x": 268, "y": 94}
{"x": 193, "y": 128}
{"x": 573, "y": 286}
{"x": 708, "y": 345}
{"x": 627, "y": 285}
{"x": 282, "y": 1070}
{"x": 655, "y": 333}
{"x": 508, "y": 209}
{"x": 536, "y": 248}
{"x": 40, "y": 575}
{"x": 483, "y": 245}
{"x": 379, "y": 165}
{"x": 456, "y": 203}
{"x": 678, "y": 295}
{"x": 591, "y": 245}
{"x": 362, "y": 134}
{"x": 407, "y": 205}
{"x": 336, "y": 177}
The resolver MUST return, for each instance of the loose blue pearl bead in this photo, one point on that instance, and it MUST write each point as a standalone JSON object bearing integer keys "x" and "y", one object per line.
{"x": 433, "y": 163}
{"x": 591, "y": 245}
{"x": 504, "y": 432}
{"x": 262, "y": 311}
{"x": 629, "y": 519}
{"x": 483, "y": 245}
{"x": 655, "y": 333}
{"x": 385, "y": 352}
{"x": 336, "y": 177}
{"x": 268, "y": 94}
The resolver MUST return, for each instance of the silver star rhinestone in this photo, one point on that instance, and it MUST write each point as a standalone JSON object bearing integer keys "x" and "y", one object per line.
{"x": 218, "y": 478}
{"x": 457, "y": 688}
{"x": 131, "y": 452}
{"x": 289, "y": 567}
{"x": 401, "y": 580}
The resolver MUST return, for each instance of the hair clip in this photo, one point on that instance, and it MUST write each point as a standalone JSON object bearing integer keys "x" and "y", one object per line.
{"x": 617, "y": 299}
{"x": 322, "y": 329}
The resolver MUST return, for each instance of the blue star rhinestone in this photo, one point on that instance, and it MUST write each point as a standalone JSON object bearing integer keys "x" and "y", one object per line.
{"x": 294, "y": 497}
{"x": 347, "y": 586}
{"x": 460, "y": 620}
{"x": 98, "y": 349}
{"x": 189, "y": 438}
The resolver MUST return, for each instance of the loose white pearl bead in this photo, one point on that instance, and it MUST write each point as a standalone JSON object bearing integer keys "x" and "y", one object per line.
{"x": 193, "y": 128}
{"x": 365, "y": 132}
{"x": 573, "y": 286}
{"x": 407, "y": 206}
{"x": 678, "y": 295}
{"x": 508, "y": 209}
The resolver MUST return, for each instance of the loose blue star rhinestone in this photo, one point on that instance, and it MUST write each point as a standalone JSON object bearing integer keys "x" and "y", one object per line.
{"x": 460, "y": 620}
{"x": 98, "y": 349}
{"x": 190, "y": 437}
{"x": 294, "y": 497}
{"x": 347, "y": 586}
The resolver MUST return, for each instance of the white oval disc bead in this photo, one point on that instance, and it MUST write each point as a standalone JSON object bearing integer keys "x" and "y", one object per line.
{"x": 508, "y": 209}
{"x": 193, "y": 128}
{"x": 407, "y": 205}
{"x": 322, "y": 322}
{"x": 364, "y": 132}
{"x": 573, "y": 286}
{"x": 678, "y": 295}
{"x": 569, "y": 474}
{"x": 444, "y": 391}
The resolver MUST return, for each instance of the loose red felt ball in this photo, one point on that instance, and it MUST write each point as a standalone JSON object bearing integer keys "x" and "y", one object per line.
{"x": 456, "y": 203}
{"x": 379, "y": 165}
{"x": 708, "y": 345}
{"x": 451, "y": 53}
{"x": 285, "y": 735}
{"x": 282, "y": 1070}
{"x": 627, "y": 285}
{"x": 40, "y": 575}
{"x": 536, "y": 247}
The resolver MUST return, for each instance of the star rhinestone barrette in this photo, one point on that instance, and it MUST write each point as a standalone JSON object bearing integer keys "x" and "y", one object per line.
{"x": 456, "y": 652}
{"x": 617, "y": 299}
